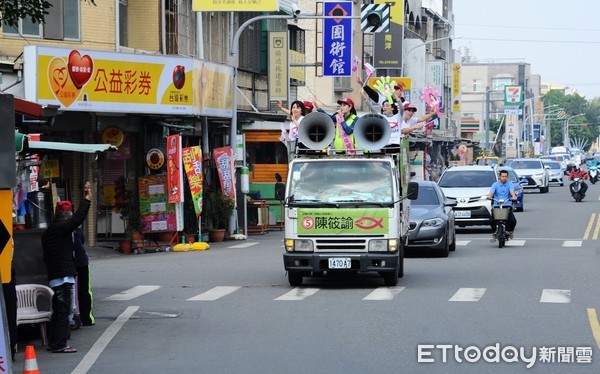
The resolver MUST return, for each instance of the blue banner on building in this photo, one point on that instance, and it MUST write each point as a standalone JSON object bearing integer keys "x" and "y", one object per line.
{"x": 337, "y": 39}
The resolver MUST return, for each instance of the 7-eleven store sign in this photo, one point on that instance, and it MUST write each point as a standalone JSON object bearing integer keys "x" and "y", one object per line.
{"x": 513, "y": 95}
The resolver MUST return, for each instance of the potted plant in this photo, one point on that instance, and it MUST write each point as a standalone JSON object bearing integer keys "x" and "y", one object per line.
{"x": 218, "y": 210}
{"x": 128, "y": 206}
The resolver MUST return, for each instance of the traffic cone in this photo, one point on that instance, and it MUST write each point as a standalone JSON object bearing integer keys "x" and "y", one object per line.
{"x": 30, "y": 366}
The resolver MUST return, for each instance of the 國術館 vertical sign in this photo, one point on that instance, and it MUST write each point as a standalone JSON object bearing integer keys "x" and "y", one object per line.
{"x": 337, "y": 39}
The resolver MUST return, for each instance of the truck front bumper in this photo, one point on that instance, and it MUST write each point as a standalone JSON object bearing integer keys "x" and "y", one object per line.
{"x": 363, "y": 262}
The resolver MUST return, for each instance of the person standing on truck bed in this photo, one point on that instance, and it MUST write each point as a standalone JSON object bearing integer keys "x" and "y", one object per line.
{"x": 345, "y": 119}
{"x": 296, "y": 112}
{"x": 409, "y": 123}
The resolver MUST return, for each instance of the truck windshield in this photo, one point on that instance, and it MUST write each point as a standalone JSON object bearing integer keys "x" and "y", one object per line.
{"x": 342, "y": 181}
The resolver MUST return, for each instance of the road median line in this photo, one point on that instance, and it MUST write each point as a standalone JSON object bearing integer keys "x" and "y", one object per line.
{"x": 593, "y": 318}
{"x": 588, "y": 229}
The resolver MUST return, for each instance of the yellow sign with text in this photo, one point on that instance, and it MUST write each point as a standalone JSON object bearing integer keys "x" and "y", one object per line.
{"x": 98, "y": 81}
{"x": 456, "y": 87}
{"x": 6, "y": 229}
{"x": 405, "y": 81}
{"x": 235, "y": 5}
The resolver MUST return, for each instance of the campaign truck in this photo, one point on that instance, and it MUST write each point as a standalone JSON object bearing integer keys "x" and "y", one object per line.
{"x": 347, "y": 211}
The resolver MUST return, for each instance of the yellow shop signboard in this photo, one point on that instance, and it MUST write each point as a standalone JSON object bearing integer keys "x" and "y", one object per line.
{"x": 97, "y": 81}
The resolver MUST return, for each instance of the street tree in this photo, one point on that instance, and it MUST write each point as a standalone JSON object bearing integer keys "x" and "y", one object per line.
{"x": 11, "y": 11}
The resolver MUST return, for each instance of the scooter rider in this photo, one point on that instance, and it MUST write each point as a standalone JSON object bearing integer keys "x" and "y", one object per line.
{"x": 577, "y": 172}
{"x": 504, "y": 190}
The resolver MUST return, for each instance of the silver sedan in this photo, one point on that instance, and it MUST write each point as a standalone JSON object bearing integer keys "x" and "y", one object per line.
{"x": 432, "y": 220}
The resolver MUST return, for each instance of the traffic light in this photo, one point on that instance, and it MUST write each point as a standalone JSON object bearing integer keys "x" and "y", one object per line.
{"x": 375, "y": 18}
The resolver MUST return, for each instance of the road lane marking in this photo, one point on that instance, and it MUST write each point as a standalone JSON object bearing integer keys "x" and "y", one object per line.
{"x": 462, "y": 243}
{"x": 572, "y": 243}
{"x": 132, "y": 293}
{"x": 215, "y": 293}
{"x": 555, "y": 296}
{"x": 588, "y": 229}
{"x": 468, "y": 294}
{"x": 384, "y": 293}
{"x": 92, "y": 355}
{"x": 593, "y": 318}
{"x": 244, "y": 245}
{"x": 597, "y": 230}
{"x": 298, "y": 293}
{"x": 515, "y": 243}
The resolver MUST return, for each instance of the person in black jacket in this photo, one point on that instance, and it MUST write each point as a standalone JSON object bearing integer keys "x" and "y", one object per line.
{"x": 57, "y": 243}
{"x": 84, "y": 288}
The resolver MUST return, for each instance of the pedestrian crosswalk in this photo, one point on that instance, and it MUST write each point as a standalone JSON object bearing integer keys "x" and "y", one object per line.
{"x": 463, "y": 294}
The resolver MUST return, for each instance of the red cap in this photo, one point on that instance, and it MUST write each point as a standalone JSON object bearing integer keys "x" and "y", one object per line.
{"x": 399, "y": 86}
{"x": 64, "y": 206}
{"x": 408, "y": 106}
{"x": 308, "y": 105}
{"x": 347, "y": 100}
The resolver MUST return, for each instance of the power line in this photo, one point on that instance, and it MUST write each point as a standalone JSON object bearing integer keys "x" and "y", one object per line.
{"x": 533, "y": 40}
{"x": 527, "y": 27}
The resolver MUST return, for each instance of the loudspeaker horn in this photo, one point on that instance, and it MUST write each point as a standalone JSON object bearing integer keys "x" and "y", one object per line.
{"x": 372, "y": 132}
{"x": 316, "y": 131}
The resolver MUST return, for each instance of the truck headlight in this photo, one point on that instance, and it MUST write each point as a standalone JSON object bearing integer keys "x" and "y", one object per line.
{"x": 383, "y": 245}
{"x": 299, "y": 245}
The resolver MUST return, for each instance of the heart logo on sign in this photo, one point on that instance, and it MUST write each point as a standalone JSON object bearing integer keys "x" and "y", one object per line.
{"x": 62, "y": 87}
{"x": 80, "y": 68}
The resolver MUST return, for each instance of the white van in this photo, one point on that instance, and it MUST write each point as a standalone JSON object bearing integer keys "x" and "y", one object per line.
{"x": 559, "y": 150}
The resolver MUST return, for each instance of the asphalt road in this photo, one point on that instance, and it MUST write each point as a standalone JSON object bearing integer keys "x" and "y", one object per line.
{"x": 231, "y": 310}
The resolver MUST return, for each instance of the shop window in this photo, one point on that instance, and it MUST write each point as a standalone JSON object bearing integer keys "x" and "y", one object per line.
{"x": 123, "y": 21}
{"x": 180, "y": 22}
{"x": 266, "y": 153}
{"x": 62, "y": 23}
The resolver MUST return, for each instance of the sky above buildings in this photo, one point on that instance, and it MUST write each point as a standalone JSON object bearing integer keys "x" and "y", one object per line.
{"x": 560, "y": 39}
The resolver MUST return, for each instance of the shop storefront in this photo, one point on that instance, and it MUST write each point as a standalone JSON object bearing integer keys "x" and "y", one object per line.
{"x": 133, "y": 102}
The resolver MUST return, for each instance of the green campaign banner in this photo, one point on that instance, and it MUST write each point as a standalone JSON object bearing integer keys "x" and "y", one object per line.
{"x": 330, "y": 221}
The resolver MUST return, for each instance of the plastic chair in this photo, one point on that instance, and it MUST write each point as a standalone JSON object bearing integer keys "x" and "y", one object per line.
{"x": 27, "y": 306}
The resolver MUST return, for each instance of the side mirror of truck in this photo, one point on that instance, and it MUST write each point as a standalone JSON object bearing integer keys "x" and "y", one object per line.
{"x": 413, "y": 191}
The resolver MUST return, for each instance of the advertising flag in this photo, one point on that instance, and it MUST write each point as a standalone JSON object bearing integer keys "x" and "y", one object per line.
{"x": 192, "y": 162}
{"x": 225, "y": 161}
{"x": 174, "y": 174}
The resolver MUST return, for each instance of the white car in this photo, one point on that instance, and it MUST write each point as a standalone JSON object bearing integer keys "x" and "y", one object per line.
{"x": 555, "y": 171}
{"x": 534, "y": 171}
{"x": 469, "y": 186}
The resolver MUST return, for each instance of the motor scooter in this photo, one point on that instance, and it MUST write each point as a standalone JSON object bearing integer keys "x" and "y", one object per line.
{"x": 500, "y": 216}
{"x": 593, "y": 171}
{"x": 576, "y": 189}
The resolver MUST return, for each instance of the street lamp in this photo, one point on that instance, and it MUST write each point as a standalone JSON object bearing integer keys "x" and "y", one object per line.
{"x": 485, "y": 115}
{"x": 566, "y": 140}
{"x": 234, "y": 55}
{"x": 549, "y": 127}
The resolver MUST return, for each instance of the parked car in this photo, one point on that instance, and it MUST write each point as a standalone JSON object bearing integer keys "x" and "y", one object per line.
{"x": 517, "y": 186}
{"x": 555, "y": 172}
{"x": 534, "y": 171}
{"x": 432, "y": 220}
{"x": 469, "y": 186}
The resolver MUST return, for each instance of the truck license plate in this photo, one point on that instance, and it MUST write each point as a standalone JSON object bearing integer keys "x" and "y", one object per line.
{"x": 340, "y": 263}
{"x": 462, "y": 214}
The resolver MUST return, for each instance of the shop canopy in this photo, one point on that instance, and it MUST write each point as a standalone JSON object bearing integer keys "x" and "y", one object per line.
{"x": 60, "y": 146}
